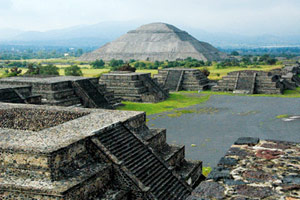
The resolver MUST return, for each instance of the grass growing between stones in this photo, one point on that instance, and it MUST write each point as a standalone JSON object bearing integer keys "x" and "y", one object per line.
{"x": 206, "y": 170}
{"x": 175, "y": 101}
{"x": 282, "y": 116}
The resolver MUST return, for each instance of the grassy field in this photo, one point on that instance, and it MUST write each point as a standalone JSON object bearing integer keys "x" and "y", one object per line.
{"x": 175, "y": 101}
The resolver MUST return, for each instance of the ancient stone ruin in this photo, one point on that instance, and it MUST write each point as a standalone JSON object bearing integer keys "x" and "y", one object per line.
{"x": 64, "y": 91}
{"x": 289, "y": 75}
{"x": 155, "y": 41}
{"x": 254, "y": 169}
{"x": 130, "y": 86}
{"x": 65, "y": 153}
{"x": 176, "y": 79}
{"x": 18, "y": 94}
{"x": 250, "y": 82}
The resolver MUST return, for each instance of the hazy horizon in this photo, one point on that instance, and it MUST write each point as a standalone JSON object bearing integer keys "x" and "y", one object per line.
{"x": 245, "y": 17}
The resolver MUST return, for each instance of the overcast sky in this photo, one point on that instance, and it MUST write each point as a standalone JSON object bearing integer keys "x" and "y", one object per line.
{"x": 251, "y": 17}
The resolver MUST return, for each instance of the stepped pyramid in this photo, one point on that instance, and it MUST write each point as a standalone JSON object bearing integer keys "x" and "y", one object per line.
{"x": 130, "y": 86}
{"x": 59, "y": 153}
{"x": 250, "y": 82}
{"x": 176, "y": 79}
{"x": 65, "y": 90}
{"x": 155, "y": 41}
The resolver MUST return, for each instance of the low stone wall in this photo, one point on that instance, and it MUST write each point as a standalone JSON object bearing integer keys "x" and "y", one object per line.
{"x": 254, "y": 169}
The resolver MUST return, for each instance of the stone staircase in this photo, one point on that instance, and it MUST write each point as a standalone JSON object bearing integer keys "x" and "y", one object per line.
{"x": 250, "y": 82}
{"x": 90, "y": 95}
{"x": 176, "y": 79}
{"x": 67, "y": 91}
{"x": 245, "y": 83}
{"x": 142, "y": 163}
{"x": 172, "y": 79}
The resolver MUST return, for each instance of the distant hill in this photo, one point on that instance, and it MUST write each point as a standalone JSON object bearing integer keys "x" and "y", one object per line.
{"x": 101, "y": 33}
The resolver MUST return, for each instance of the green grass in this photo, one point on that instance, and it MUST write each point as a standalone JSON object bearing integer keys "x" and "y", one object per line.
{"x": 282, "y": 116}
{"x": 206, "y": 170}
{"x": 175, "y": 101}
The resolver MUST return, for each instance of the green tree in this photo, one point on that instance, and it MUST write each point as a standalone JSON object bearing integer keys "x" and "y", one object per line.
{"x": 49, "y": 70}
{"x": 73, "y": 70}
{"x": 235, "y": 53}
{"x": 98, "y": 64}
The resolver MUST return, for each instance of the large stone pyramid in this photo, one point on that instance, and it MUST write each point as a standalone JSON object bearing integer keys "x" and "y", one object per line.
{"x": 155, "y": 41}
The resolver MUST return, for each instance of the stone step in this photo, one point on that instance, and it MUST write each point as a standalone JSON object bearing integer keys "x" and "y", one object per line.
{"x": 173, "y": 154}
{"x": 190, "y": 171}
{"x": 140, "y": 160}
{"x": 157, "y": 138}
{"x": 66, "y": 102}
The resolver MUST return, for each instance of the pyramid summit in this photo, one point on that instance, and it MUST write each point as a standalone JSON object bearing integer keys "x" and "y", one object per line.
{"x": 155, "y": 41}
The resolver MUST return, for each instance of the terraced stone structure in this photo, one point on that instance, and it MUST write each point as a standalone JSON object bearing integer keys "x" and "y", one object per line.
{"x": 66, "y": 90}
{"x": 289, "y": 75}
{"x": 176, "y": 79}
{"x": 155, "y": 41}
{"x": 250, "y": 82}
{"x": 65, "y": 153}
{"x": 254, "y": 169}
{"x": 18, "y": 94}
{"x": 132, "y": 86}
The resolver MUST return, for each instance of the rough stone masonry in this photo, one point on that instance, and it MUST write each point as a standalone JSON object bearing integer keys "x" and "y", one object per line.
{"x": 61, "y": 153}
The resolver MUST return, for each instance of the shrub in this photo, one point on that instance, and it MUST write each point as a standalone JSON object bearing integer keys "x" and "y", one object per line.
{"x": 126, "y": 67}
{"x": 73, "y": 70}
{"x": 98, "y": 64}
{"x": 49, "y": 70}
{"x": 205, "y": 71}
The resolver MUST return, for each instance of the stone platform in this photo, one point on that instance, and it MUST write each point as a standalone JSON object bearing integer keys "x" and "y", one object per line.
{"x": 131, "y": 86}
{"x": 250, "y": 82}
{"x": 254, "y": 169}
{"x": 50, "y": 152}
{"x": 66, "y": 90}
{"x": 176, "y": 79}
{"x": 18, "y": 94}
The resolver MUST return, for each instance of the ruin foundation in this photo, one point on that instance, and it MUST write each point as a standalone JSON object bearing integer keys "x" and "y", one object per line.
{"x": 50, "y": 152}
{"x": 176, "y": 79}
{"x": 138, "y": 87}
{"x": 65, "y": 91}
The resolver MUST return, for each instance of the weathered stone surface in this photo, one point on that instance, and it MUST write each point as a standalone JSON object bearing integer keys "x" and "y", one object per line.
{"x": 266, "y": 169}
{"x": 211, "y": 190}
{"x": 247, "y": 140}
{"x": 155, "y": 41}
{"x": 268, "y": 154}
{"x": 225, "y": 161}
{"x": 129, "y": 86}
{"x": 176, "y": 79}
{"x": 58, "y": 153}
{"x": 250, "y": 82}
{"x": 251, "y": 191}
{"x": 64, "y": 91}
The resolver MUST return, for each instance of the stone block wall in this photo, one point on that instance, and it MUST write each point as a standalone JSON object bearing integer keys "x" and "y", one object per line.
{"x": 138, "y": 87}
{"x": 176, "y": 79}
{"x": 251, "y": 82}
